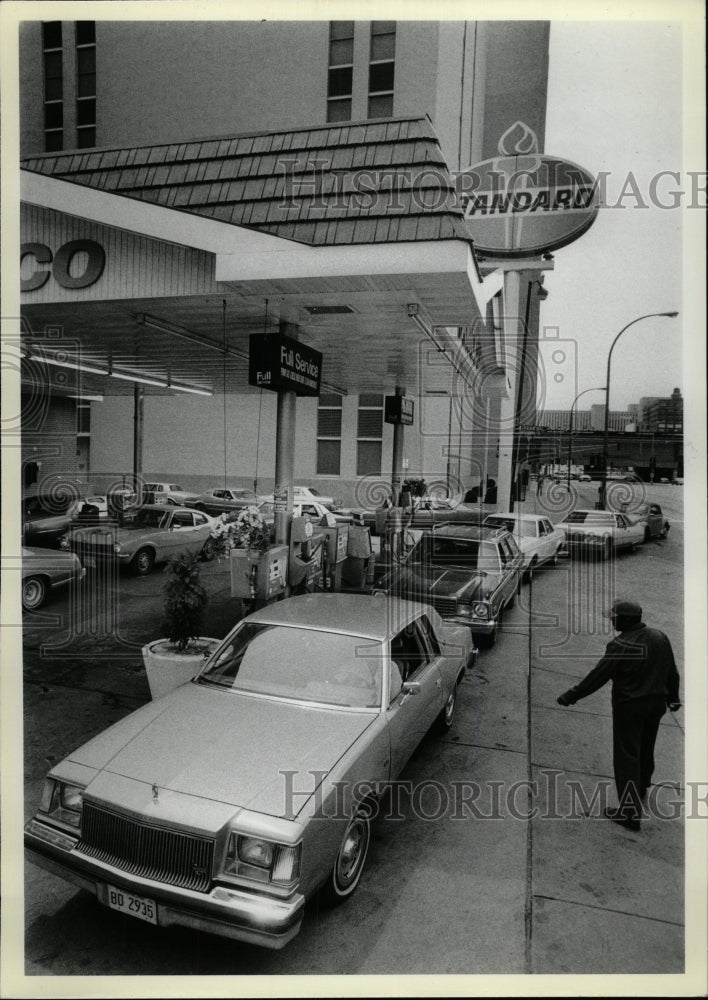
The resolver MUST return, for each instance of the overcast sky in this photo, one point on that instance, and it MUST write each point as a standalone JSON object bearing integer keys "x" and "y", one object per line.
{"x": 614, "y": 104}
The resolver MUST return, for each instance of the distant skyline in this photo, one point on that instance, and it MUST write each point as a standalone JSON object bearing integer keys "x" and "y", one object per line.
{"x": 615, "y": 106}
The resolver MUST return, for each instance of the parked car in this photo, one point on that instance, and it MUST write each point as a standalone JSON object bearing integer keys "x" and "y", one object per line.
{"x": 600, "y": 532}
{"x": 47, "y": 516}
{"x": 306, "y": 493}
{"x": 43, "y": 570}
{"x": 313, "y": 508}
{"x": 170, "y": 493}
{"x": 147, "y": 535}
{"x": 538, "y": 539}
{"x": 655, "y": 524}
{"x": 423, "y": 514}
{"x": 222, "y": 500}
{"x": 584, "y": 478}
{"x": 227, "y": 803}
{"x": 469, "y": 573}
{"x": 678, "y": 481}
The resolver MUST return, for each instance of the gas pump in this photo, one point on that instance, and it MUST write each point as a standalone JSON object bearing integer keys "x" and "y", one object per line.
{"x": 335, "y": 539}
{"x": 305, "y": 556}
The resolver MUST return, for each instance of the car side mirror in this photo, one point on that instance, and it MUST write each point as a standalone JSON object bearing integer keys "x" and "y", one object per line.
{"x": 410, "y": 687}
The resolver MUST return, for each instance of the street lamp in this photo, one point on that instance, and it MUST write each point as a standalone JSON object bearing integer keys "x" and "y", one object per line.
{"x": 597, "y": 388}
{"x": 605, "y": 458}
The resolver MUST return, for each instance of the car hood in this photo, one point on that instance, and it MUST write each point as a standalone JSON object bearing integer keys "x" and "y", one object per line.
{"x": 438, "y": 581}
{"x": 225, "y": 746}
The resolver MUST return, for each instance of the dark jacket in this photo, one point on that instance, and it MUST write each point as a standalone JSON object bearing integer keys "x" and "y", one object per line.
{"x": 639, "y": 662}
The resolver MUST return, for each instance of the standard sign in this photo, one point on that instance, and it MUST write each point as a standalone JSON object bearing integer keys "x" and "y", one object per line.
{"x": 398, "y": 410}
{"x": 281, "y": 363}
{"x": 517, "y": 206}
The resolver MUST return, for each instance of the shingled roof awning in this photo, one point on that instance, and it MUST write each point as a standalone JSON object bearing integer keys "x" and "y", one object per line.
{"x": 375, "y": 182}
{"x": 340, "y": 228}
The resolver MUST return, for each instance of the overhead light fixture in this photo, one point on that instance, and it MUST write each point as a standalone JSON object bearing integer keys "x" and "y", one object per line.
{"x": 138, "y": 378}
{"x": 414, "y": 313}
{"x": 45, "y": 359}
{"x": 85, "y": 397}
{"x": 127, "y": 376}
{"x": 180, "y": 331}
{"x": 329, "y": 310}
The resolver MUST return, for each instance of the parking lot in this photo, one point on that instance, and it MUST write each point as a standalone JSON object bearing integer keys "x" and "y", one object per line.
{"x": 516, "y": 882}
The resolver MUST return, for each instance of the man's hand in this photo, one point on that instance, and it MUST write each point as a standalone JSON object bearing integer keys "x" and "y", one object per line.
{"x": 674, "y": 706}
{"x": 565, "y": 699}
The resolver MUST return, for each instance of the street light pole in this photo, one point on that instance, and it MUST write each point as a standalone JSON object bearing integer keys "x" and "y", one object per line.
{"x": 605, "y": 459}
{"x": 597, "y": 388}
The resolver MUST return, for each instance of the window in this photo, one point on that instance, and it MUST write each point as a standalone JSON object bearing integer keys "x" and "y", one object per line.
{"x": 329, "y": 434}
{"x": 382, "y": 53}
{"x": 52, "y": 59}
{"x": 83, "y": 418}
{"x": 341, "y": 60}
{"x": 369, "y": 434}
{"x": 85, "y": 84}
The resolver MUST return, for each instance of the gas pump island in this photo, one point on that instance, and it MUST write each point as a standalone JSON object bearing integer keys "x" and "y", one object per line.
{"x": 303, "y": 553}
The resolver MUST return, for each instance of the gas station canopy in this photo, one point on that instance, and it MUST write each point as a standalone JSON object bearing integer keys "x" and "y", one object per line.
{"x": 350, "y": 233}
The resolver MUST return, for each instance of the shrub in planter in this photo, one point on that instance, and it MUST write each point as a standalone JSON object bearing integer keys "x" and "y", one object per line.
{"x": 185, "y": 601}
{"x": 416, "y": 487}
{"x": 175, "y": 659}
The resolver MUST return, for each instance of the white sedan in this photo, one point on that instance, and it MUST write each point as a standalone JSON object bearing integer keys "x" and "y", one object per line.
{"x": 601, "y": 532}
{"x": 316, "y": 510}
{"x": 539, "y": 540}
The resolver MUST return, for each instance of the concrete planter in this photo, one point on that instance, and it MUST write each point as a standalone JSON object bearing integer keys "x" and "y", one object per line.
{"x": 167, "y": 667}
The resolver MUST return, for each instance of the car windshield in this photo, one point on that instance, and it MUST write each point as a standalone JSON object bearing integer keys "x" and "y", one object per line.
{"x": 600, "y": 518}
{"x": 313, "y": 492}
{"x": 526, "y": 529}
{"x": 299, "y": 664}
{"x": 469, "y": 552}
{"x": 147, "y": 519}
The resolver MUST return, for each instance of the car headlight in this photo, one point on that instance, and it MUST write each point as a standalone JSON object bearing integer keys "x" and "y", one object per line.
{"x": 62, "y": 802}
{"x": 480, "y": 610}
{"x": 262, "y": 860}
{"x": 594, "y": 539}
{"x": 64, "y": 542}
{"x": 117, "y": 548}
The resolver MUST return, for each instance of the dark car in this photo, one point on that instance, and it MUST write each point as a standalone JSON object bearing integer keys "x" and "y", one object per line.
{"x": 222, "y": 500}
{"x": 654, "y": 521}
{"x": 421, "y": 516}
{"x": 469, "y": 574}
{"x": 47, "y": 516}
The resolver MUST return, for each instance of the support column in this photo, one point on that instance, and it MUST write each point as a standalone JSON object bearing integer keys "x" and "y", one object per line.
{"x": 285, "y": 454}
{"x": 513, "y": 354}
{"x": 138, "y": 416}
{"x": 397, "y": 458}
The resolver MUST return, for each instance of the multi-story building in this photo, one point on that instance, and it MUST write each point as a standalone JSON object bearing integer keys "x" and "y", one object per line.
{"x": 123, "y": 109}
{"x": 662, "y": 415}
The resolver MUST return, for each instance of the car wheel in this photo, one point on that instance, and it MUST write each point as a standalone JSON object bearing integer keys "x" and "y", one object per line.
{"x": 664, "y": 531}
{"x": 143, "y": 561}
{"x": 445, "y": 719}
{"x": 351, "y": 858}
{"x": 512, "y": 600}
{"x": 201, "y": 507}
{"x": 647, "y": 534}
{"x": 490, "y": 638}
{"x": 554, "y": 560}
{"x": 208, "y": 552}
{"x": 532, "y": 569}
{"x": 34, "y": 592}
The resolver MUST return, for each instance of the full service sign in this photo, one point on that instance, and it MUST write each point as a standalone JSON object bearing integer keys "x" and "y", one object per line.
{"x": 523, "y": 203}
{"x": 280, "y": 363}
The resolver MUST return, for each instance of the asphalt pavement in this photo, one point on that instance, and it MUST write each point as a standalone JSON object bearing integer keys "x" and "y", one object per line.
{"x": 494, "y": 869}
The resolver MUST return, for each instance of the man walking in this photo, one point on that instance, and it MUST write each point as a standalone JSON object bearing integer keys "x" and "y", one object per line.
{"x": 640, "y": 663}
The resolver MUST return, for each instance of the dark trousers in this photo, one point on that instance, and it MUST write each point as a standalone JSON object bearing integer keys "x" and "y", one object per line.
{"x": 635, "y": 725}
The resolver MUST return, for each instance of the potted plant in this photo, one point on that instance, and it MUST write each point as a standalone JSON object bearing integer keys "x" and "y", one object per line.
{"x": 175, "y": 659}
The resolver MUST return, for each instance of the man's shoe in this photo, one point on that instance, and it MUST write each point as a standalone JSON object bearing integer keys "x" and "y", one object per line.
{"x": 617, "y": 817}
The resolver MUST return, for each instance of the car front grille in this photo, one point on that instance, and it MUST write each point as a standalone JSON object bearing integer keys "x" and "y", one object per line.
{"x": 144, "y": 850}
{"x": 443, "y": 605}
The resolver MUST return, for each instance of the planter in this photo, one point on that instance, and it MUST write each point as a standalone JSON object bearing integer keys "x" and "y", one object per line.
{"x": 167, "y": 667}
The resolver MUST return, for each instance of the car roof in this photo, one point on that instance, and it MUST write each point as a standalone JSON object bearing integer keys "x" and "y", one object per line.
{"x": 519, "y": 517}
{"x": 373, "y": 617}
{"x": 477, "y": 532}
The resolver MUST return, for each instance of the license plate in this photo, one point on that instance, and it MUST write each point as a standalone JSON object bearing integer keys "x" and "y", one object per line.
{"x": 89, "y": 562}
{"x": 127, "y": 902}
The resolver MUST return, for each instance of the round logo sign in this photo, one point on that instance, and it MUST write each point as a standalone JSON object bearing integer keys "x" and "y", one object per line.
{"x": 523, "y": 203}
